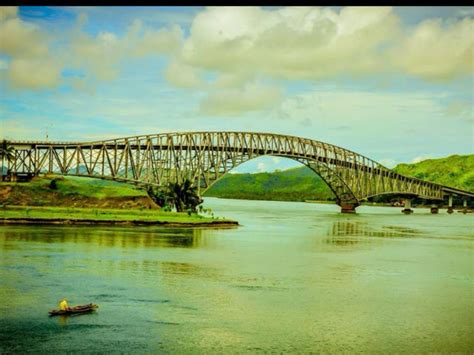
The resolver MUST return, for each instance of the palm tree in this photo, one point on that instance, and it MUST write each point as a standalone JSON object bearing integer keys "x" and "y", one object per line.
{"x": 184, "y": 196}
{"x": 7, "y": 151}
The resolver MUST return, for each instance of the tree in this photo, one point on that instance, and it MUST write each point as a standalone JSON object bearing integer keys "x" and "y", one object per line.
{"x": 184, "y": 196}
{"x": 7, "y": 151}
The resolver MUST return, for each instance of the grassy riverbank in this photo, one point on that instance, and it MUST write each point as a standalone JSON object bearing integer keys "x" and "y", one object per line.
{"x": 71, "y": 215}
{"x": 74, "y": 191}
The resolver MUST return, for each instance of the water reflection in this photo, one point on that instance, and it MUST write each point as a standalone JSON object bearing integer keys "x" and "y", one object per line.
{"x": 349, "y": 233}
{"x": 122, "y": 238}
{"x": 63, "y": 320}
{"x": 355, "y": 228}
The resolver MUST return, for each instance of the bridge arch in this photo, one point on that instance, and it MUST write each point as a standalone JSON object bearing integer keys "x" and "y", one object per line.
{"x": 336, "y": 184}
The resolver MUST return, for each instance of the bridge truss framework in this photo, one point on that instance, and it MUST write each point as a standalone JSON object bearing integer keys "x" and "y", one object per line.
{"x": 204, "y": 157}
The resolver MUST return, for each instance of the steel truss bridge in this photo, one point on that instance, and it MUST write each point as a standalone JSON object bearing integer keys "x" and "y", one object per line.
{"x": 204, "y": 157}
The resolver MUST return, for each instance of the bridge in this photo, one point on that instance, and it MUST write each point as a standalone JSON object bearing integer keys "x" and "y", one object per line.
{"x": 205, "y": 157}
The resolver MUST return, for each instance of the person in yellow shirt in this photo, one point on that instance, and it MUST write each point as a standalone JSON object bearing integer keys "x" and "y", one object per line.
{"x": 63, "y": 306}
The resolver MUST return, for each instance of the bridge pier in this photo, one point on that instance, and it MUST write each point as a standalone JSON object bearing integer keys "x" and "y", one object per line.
{"x": 407, "y": 205}
{"x": 348, "y": 207}
{"x": 450, "y": 204}
{"x": 464, "y": 206}
{"x": 434, "y": 209}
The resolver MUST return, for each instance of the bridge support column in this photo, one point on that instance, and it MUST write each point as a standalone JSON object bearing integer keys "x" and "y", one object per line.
{"x": 348, "y": 207}
{"x": 464, "y": 206}
{"x": 407, "y": 209}
{"x": 450, "y": 204}
{"x": 434, "y": 209}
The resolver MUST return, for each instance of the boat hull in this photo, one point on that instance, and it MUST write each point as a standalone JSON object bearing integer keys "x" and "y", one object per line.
{"x": 74, "y": 310}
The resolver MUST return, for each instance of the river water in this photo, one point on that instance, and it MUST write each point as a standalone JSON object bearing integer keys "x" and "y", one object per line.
{"x": 294, "y": 277}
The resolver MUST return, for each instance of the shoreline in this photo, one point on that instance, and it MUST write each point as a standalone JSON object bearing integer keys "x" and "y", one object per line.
{"x": 85, "y": 221}
{"x": 55, "y": 215}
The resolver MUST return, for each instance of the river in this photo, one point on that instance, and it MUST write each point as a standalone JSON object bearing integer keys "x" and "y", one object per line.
{"x": 294, "y": 277}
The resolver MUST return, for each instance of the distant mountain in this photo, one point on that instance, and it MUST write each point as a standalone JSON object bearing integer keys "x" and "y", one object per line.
{"x": 455, "y": 171}
{"x": 297, "y": 184}
{"x": 300, "y": 184}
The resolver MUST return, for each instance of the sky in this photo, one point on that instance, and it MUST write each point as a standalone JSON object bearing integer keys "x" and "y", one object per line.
{"x": 393, "y": 84}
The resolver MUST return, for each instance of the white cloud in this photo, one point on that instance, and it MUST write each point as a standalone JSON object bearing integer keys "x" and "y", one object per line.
{"x": 313, "y": 43}
{"x": 388, "y": 163}
{"x": 182, "y": 75}
{"x": 31, "y": 64}
{"x": 437, "y": 51}
{"x": 37, "y": 58}
{"x": 261, "y": 167}
{"x": 289, "y": 43}
{"x": 241, "y": 45}
{"x": 34, "y": 74}
{"x": 241, "y": 48}
{"x": 166, "y": 40}
{"x": 102, "y": 55}
{"x": 420, "y": 158}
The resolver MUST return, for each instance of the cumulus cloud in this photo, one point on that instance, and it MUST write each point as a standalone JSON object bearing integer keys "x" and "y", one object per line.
{"x": 243, "y": 44}
{"x": 30, "y": 65}
{"x": 437, "y": 51}
{"x": 37, "y": 58}
{"x": 163, "y": 41}
{"x": 18, "y": 38}
{"x": 289, "y": 43}
{"x": 101, "y": 55}
{"x": 34, "y": 74}
{"x": 240, "y": 46}
{"x": 420, "y": 158}
{"x": 233, "y": 101}
{"x": 182, "y": 75}
{"x": 314, "y": 43}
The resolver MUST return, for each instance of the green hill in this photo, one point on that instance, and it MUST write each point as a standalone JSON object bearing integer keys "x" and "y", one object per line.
{"x": 297, "y": 184}
{"x": 301, "y": 183}
{"x": 455, "y": 171}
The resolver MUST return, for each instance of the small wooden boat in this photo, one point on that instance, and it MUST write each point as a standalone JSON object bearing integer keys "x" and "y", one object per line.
{"x": 73, "y": 310}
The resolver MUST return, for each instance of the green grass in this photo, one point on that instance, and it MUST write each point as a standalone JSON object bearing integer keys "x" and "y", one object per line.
{"x": 98, "y": 188}
{"x": 72, "y": 185}
{"x": 101, "y": 214}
